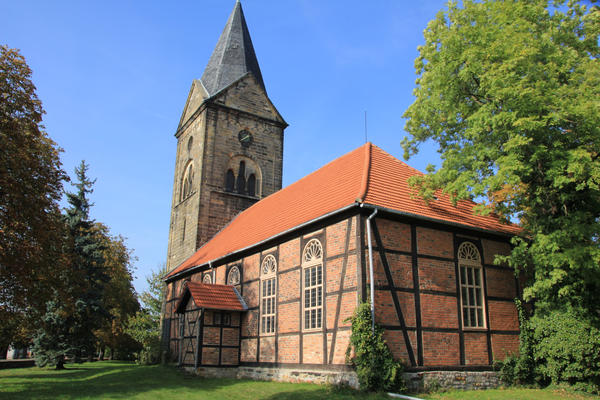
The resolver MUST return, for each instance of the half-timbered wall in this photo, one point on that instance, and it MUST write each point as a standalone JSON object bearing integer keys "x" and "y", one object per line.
{"x": 417, "y": 296}
{"x": 291, "y": 343}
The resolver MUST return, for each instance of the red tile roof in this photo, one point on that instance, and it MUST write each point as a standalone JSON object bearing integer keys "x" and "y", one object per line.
{"x": 366, "y": 175}
{"x": 214, "y": 297}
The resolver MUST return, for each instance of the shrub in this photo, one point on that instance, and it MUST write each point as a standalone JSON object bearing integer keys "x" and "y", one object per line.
{"x": 373, "y": 360}
{"x": 567, "y": 349}
{"x": 560, "y": 347}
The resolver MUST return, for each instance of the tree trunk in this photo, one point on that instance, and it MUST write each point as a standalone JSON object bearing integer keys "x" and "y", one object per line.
{"x": 60, "y": 362}
{"x": 101, "y": 354}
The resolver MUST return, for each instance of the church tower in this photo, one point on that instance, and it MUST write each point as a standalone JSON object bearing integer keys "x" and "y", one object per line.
{"x": 229, "y": 144}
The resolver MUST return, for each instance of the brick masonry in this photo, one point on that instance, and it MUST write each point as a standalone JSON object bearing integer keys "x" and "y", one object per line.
{"x": 426, "y": 327}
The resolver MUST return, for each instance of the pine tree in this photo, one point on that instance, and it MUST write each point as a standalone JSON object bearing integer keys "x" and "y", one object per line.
{"x": 89, "y": 276}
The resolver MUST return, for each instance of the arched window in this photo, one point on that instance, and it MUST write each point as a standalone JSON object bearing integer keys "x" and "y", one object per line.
{"x": 186, "y": 183}
{"x": 240, "y": 185}
{"x": 268, "y": 294}
{"x": 189, "y": 146}
{"x": 207, "y": 278}
{"x": 229, "y": 181}
{"x": 312, "y": 268}
{"x": 234, "y": 276}
{"x": 471, "y": 285}
{"x": 252, "y": 185}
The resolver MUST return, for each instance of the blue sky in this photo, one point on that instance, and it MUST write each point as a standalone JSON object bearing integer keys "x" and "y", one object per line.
{"x": 113, "y": 77}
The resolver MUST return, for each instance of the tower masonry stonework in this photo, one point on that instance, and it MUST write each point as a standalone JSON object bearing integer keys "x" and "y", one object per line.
{"x": 229, "y": 144}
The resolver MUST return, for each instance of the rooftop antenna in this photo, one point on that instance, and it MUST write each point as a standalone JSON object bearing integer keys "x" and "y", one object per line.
{"x": 365, "y": 126}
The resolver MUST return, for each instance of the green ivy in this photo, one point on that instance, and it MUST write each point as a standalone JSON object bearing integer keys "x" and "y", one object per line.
{"x": 372, "y": 358}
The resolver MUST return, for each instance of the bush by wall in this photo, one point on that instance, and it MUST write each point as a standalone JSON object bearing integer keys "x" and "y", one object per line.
{"x": 561, "y": 347}
{"x": 372, "y": 359}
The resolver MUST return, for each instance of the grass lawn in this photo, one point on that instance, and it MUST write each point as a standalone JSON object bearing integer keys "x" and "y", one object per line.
{"x": 511, "y": 394}
{"x": 119, "y": 380}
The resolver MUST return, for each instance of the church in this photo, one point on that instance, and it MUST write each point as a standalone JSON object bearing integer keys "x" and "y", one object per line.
{"x": 262, "y": 280}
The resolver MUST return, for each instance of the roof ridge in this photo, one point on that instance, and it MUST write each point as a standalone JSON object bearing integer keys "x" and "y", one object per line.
{"x": 366, "y": 172}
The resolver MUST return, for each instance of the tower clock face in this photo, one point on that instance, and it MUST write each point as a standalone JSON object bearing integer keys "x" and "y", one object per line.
{"x": 245, "y": 138}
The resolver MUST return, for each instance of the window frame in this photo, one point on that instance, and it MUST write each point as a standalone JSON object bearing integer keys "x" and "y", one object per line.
{"x": 268, "y": 273}
{"x": 470, "y": 260}
{"x": 309, "y": 262}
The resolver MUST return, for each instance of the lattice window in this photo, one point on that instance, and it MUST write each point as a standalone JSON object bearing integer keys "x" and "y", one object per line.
{"x": 268, "y": 295}
{"x": 207, "y": 279}
{"x": 234, "y": 276}
{"x": 312, "y": 266}
{"x": 186, "y": 183}
{"x": 471, "y": 286}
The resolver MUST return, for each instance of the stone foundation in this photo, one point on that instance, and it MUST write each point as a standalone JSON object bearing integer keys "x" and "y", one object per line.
{"x": 293, "y": 375}
{"x": 415, "y": 381}
{"x": 465, "y": 380}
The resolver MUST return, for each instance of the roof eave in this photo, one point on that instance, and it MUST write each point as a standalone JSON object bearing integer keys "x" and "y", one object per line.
{"x": 297, "y": 227}
{"x": 436, "y": 220}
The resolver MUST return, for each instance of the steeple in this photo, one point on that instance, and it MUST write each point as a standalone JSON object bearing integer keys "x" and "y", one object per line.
{"x": 233, "y": 56}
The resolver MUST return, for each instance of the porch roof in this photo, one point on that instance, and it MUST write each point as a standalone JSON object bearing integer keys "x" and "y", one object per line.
{"x": 212, "y": 296}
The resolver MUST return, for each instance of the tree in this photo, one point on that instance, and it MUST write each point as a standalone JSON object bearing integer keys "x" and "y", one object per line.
{"x": 510, "y": 92}
{"x": 144, "y": 327}
{"x": 75, "y": 309}
{"x": 88, "y": 274}
{"x": 119, "y": 299}
{"x": 30, "y": 188}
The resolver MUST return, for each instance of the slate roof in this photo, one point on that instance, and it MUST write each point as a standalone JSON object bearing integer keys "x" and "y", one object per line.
{"x": 233, "y": 56}
{"x": 213, "y": 297}
{"x": 366, "y": 175}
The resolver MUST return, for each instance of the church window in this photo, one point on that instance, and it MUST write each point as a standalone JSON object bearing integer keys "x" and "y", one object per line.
{"x": 241, "y": 179}
{"x": 207, "y": 279}
{"x": 229, "y": 181}
{"x": 189, "y": 146}
{"x": 252, "y": 185}
{"x": 471, "y": 287}
{"x": 268, "y": 294}
{"x": 233, "y": 277}
{"x": 312, "y": 268}
{"x": 186, "y": 184}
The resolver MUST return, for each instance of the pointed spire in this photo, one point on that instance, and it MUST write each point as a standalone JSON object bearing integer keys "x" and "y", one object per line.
{"x": 233, "y": 56}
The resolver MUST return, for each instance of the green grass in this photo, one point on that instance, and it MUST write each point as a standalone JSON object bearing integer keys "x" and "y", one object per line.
{"x": 511, "y": 394}
{"x": 119, "y": 380}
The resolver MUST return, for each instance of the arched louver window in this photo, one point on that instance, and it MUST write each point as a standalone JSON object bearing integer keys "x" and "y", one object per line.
{"x": 241, "y": 179}
{"x": 229, "y": 181}
{"x": 186, "y": 184}
{"x": 252, "y": 185}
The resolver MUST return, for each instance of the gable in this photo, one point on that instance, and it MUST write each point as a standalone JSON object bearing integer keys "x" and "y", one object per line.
{"x": 246, "y": 94}
{"x": 195, "y": 98}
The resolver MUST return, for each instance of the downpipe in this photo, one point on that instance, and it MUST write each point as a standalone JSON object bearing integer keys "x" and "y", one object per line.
{"x": 371, "y": 277}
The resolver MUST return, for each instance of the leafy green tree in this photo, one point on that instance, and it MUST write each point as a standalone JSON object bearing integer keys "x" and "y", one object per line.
{"x": 31, "y": 181}
{"x": 509, "y": 90}
{"x": 119, "y": 298}
{"x": 144, "y": 327}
